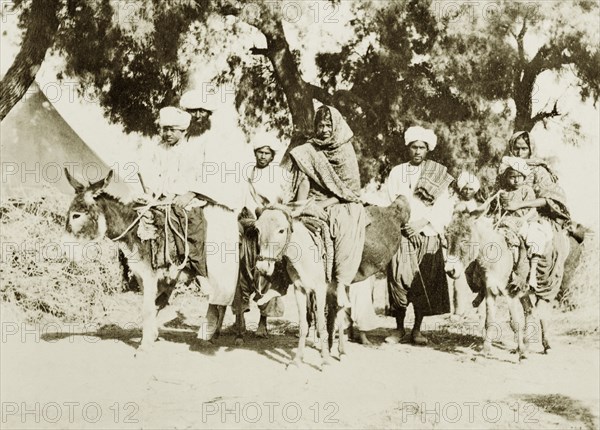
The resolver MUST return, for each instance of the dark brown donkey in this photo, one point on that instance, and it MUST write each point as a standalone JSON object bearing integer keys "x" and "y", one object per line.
{"x": 93, "y": 215}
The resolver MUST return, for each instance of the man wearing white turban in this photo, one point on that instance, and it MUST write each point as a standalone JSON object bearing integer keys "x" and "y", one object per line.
{"x": 216, "y": 155}
{"x": 467, "y": 186}
{"x": 265, "y": 186}
{"x": 416, "y": 274}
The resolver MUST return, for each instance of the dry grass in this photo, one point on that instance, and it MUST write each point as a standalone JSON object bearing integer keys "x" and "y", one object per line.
{"x": 38, "y": 279}
{"x": 580, "y": 296}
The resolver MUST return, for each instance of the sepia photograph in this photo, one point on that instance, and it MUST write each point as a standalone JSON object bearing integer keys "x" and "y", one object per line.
{"x": 281, "y": 214}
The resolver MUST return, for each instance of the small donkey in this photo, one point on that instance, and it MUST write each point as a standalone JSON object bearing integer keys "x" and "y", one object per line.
{"x": 93, "y": 215}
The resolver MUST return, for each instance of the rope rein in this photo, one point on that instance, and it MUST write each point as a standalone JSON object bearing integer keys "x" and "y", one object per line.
{"x": 168, "y": 223}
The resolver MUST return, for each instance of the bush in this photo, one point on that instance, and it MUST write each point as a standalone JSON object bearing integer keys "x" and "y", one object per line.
{"x": 36, "y": 275}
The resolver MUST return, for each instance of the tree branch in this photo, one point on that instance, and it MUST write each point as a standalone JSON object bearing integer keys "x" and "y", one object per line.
{"x": 540, "y": 116}
{"x": 41, "y": 30}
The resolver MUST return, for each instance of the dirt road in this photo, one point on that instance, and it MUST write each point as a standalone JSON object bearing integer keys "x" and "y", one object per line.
{"x": 71, "y": 376}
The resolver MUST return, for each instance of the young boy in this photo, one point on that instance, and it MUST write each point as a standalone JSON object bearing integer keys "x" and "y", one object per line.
{"x": 519, "y": 216}
{"x": 467, "y": 186}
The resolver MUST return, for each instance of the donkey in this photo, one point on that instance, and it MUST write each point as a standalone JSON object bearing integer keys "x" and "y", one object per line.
{"x": 277, "y": 229}
{"x": 473, "y": 243}
{"x": 93, "y": 215}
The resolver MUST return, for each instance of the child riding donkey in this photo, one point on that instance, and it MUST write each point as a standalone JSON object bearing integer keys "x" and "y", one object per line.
{"x": 519, "y": 222}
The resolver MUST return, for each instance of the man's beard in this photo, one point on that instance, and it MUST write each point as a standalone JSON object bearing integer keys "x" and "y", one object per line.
{"x": 198, "y": 128}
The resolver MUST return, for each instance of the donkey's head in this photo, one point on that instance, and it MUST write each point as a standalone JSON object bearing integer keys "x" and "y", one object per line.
{"x": 85, "y": 219}
{"x": 464, "y": 236}
{"x": 274, "y": 227}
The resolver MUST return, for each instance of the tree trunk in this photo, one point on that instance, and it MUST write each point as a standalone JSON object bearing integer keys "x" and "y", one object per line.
{"x": 297, "y": 92}
{"x": 41, "y": 29}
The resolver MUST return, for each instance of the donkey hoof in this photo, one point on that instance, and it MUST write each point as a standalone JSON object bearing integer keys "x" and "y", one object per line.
{"x": 262, "y": 333}
{"x": 239, "y": 341}
{"x": 522, "y": 356}
{"x": 143, "y": 349}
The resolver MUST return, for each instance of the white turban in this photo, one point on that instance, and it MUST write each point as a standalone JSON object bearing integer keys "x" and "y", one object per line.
{"x": 468, "y": 178}
{"x": 198, "y": 99}
{"x": 263, "y": 139}
{"x": 412, "y": 134}
{"x": 515, "y": 163}
{"x": 173, "y": 117}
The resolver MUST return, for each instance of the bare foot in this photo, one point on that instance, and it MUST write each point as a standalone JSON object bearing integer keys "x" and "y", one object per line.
{"x": 418, "y": 338}
{"x": 396, "y": 337}
{"x": 362, "y": 339}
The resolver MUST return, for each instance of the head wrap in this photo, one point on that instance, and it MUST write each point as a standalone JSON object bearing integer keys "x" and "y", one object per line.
{"x": 412, "y": 134}
{"x": 264, "y": 139}
{"x": 173, "y": 117}
{"x": 201, "y": 99}
{"x": 468, "y": 178}
{"x": 341, "y": 132}
{"x": 515, "y": 163}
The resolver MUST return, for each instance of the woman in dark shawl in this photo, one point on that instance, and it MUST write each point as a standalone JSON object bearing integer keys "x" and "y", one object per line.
{"x": 551, "y": 203}
{"x": 326, "y": 170}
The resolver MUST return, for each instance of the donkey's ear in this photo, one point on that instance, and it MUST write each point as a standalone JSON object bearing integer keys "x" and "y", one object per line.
{"x": 97, "y": 187}
{"x": 78, "y": 186}
{"x": 258, "y": 211}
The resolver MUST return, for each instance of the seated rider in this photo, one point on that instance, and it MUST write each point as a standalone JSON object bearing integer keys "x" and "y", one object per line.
{"x": 265, "y": 186}
{"x": 467, "y": 186}
{"x": 325, "y": 169}
{"x": 171, "y": 177}
{"x": 518, "y": 216}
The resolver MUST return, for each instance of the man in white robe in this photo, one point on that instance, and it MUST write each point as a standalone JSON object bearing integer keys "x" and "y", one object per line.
{"x": 416, "y": 274}
{"x": 217, "y": 147}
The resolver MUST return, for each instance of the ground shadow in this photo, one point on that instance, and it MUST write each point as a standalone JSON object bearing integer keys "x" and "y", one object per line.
{"x": 563, "y": 406}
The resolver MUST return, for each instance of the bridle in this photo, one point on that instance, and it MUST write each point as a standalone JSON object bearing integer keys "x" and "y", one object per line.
{"x": 288, "y": 237}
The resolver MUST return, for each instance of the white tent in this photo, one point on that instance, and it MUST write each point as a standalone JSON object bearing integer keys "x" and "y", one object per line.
{"x": 37, "y": 144}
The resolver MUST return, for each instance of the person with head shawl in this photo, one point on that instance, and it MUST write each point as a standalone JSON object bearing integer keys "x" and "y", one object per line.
{"x": 518, "y": 216}
{"x": 416, "y": 273}
{"x": 265, "y": 183}
{"x": 325, "y": 169}
{"x": 551, "y": 201}
{"x": 551, "y": 204}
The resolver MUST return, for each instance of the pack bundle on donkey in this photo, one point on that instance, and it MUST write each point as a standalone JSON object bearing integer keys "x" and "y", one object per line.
{"x": 94, "y": 214}
{"x": 282, "y": 235}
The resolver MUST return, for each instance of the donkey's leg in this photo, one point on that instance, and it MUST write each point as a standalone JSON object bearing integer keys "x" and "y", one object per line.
{"x": 341, "y": 325}
{"x": 530, "y": 326}
{"x": 321, "y": 297}
{"x": 490, "y": 320}
{"x": 150, "y": 327}
{"x": 261, "y": 331}
{"x": 166, "y": 311}
{"x": 543, "y": 309}
{"x": 517, "y": 322}
{"x": 301, "y": 301}
{"x": 240, "y": 326}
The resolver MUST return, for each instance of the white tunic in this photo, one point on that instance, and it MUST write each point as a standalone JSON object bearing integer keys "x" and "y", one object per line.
{"x": 267, "y": 183}
{"x": 402, "y": 181}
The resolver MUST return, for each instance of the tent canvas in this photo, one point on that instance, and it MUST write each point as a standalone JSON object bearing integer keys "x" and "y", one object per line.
{"x": 37, "y": 144}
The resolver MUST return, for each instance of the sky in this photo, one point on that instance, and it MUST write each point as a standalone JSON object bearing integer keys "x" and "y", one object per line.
{"x": 316, "y": 26}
